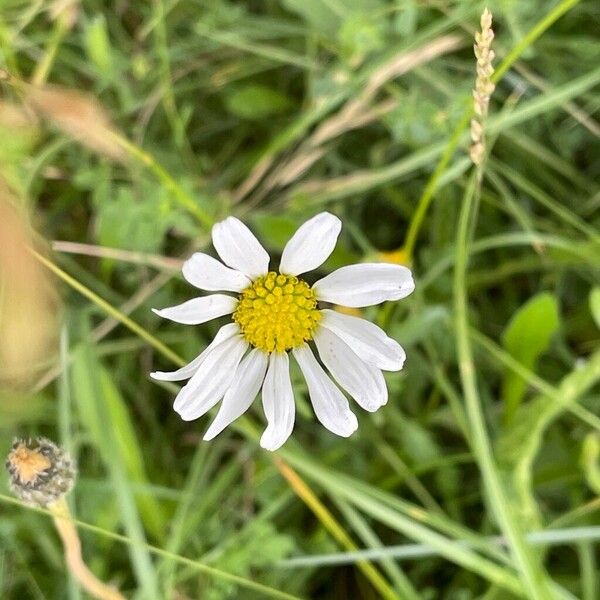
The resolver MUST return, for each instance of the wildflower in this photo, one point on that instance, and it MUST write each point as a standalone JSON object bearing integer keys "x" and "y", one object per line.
{"x": 277, "y": 313}
{"x": 41, "y": 472}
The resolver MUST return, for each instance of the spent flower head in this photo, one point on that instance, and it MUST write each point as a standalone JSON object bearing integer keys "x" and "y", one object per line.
{"x": 275, "y": 313}
{"x": 41, "y": 472}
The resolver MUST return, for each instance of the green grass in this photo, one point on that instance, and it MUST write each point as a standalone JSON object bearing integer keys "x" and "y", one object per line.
{"x": 273, "y": 112}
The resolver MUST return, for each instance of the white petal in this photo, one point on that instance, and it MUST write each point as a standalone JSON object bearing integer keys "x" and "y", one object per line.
{"x": 311, "y": 245}
{"x": 247, "y": 381}
{"x": 364, "y": 382}
{"x": 367, "y": 340}
{"x": 188, "y": 370}
{"x": 207, "y": 273}
{"x": 211, "y": 380}
{"x": 329, "y": 404}
{"x": 365, "y": 284}
{"x": 199, "y": 310}
{"x": 239, "y": 249}
{"x": 278, "y": 402}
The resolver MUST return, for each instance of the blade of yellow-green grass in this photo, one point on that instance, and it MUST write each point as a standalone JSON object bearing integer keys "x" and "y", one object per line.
{"x": 589, "y": 570}
{"x": 581, "y": 512}
{"x": 95, "y": 413}
{"x": 62, "y": 24}
{"x": 533, "y": 576}
{"x": 368, "y": 536}
{"x": 335, "y": 529}
{"x": 427, "y": 196}
{"x": 194, "y": 564}
{"x": 540, "y": 104}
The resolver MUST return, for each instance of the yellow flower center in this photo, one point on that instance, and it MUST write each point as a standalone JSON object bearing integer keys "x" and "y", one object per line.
{"x": 277, "y": 312}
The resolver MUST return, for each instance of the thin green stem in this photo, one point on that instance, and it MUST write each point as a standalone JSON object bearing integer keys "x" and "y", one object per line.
{"x": 533, "y": 576}
{"x": 532, "y": 35}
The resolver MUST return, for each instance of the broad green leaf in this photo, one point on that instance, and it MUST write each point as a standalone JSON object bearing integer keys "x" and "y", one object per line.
{"x": 526, "y": 337}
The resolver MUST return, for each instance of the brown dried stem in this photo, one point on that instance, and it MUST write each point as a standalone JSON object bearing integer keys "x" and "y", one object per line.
{"x": 72, "y": 545}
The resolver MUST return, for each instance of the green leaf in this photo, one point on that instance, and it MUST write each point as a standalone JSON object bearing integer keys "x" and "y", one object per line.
{"x": 255, "y": 101}
{"x": 359, "y": 36}
{"x": 595, "y": 305}
{"x": 590, "y": 453}
{"x": 526, "y": 337}
{"x": 97, "y": 45}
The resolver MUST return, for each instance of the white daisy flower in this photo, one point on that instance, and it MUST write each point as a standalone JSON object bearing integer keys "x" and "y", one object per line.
{"x": 278, "y": 313}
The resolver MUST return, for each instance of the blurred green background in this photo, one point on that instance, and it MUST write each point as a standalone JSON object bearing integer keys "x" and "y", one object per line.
{"x": 128, "y": 128}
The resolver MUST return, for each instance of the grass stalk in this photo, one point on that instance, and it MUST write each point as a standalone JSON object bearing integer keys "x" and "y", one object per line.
{"x": 332, "y": 525}
{"x": 533, "y": 577}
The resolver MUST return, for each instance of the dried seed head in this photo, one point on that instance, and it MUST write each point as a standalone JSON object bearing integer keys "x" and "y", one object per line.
{"x": 483, "y": 85}
{"x": 41, "y": 472}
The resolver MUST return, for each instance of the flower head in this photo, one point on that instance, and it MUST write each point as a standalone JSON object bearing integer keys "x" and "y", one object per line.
{"x": 276, "y": 313}
{"x": 41, "y": 472}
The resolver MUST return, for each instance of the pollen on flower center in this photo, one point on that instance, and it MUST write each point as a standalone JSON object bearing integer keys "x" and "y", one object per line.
{"x": 277, "y": 312}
